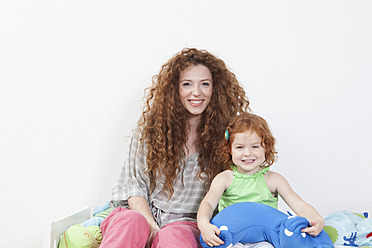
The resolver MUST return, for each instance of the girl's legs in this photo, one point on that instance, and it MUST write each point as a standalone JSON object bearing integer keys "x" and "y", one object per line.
{"x": 263, "y": 244}
{"x": 124, "y": 228}
{"x": 180, "y": 234}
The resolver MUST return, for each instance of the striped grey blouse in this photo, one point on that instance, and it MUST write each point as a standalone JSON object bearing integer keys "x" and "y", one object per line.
{"x": 189, "y": 189}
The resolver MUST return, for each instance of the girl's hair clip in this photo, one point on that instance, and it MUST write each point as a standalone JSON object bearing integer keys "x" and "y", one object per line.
{"x": 227, "y": 135}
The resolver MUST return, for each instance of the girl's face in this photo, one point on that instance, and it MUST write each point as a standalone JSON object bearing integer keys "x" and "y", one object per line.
{"x": 195, "y": 88}
{"x": 247, "y": 152}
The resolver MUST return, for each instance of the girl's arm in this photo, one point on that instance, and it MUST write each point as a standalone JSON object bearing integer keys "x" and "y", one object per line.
{"x": 296, "y": 203}
{"x": 208, "y": 231}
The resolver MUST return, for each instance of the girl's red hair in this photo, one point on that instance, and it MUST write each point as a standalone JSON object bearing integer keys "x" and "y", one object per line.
{"x": 251, "y": 123}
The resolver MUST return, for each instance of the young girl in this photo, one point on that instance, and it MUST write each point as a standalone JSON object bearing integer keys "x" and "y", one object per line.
{"x": 249, "y": 152}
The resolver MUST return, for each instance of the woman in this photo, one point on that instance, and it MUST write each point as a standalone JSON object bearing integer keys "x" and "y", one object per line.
{"x": 172, "y": 157}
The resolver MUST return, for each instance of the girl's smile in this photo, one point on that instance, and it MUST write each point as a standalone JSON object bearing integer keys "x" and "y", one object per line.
{"x": 247, "y": 152}
{"x": 249, "y": 160}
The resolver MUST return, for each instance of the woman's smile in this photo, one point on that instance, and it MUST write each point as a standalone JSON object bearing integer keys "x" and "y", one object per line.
{"x": 195, "y": 88}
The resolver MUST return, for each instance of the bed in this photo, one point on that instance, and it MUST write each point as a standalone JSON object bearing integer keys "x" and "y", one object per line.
{"x": 56, "y": 228}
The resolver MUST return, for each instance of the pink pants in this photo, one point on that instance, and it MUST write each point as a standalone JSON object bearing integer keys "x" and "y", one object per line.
{"x": 128, "y": 228}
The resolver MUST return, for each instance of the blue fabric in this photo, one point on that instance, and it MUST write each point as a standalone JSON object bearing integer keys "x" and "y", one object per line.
{"x": 251, "y": 222}
{"x": 95, "y": 221}
{"x": 100, "y": 209}
{"x": 349, "y": 229}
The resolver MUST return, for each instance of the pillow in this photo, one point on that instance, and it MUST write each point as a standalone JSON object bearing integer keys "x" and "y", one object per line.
{"x": 87, "y": 234}
{"x": 77, "y": 236}
{"x": 349, "y": 229}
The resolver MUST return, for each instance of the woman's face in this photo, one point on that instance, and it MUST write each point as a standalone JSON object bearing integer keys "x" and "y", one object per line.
{"x": 195, "y": 88}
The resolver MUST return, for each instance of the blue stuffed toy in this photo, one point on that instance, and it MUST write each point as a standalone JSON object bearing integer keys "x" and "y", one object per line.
{"x": 252, "y": 222}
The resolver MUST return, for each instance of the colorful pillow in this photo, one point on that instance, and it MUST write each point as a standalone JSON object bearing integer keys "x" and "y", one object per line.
{"x": 87, "y": 234}
{"x": 349, "y": 229}
{"x": 77, "y": 236}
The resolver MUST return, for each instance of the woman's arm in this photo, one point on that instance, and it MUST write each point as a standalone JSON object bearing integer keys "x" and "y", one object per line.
{"x": 140, "y": 204}
{"x": 132, "y": 187}
{"x": 208, "y": 231}
{"x": 296, "y": 203}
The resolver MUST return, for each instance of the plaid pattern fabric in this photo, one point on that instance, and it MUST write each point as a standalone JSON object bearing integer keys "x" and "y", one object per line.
{"x": 189, "y": 189}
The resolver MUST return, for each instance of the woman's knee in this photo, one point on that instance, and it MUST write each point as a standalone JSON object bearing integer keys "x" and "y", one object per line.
{"x": 133, "y": 218}
{"x": 124, "y": 226}
{"x": 124, "y": 219}
{"x": 182, "y": 235}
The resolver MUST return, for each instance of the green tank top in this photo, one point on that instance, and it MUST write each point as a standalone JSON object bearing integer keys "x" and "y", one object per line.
{"x": 248, "y": 188}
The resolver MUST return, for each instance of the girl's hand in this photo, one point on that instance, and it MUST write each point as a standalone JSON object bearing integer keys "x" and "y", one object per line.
{"x": 210, "y": 234}
{"x": 316, "y": 226}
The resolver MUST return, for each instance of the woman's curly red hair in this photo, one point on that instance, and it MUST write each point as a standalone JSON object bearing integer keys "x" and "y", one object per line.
{"x": 164, "y": 118}
{"x": 251, "y": 123}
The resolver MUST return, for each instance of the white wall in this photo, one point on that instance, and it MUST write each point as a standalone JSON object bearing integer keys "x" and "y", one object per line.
{"x": 72, "y": 75}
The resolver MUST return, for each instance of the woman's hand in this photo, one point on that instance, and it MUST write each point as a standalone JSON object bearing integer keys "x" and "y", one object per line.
{"x": 140, "y": 204}
{"x": 316, "y": 226}
{"x": 153, "y": 231}
{"x": 210, "y": 234}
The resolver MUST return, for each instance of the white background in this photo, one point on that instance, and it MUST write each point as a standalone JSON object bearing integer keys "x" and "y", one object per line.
{"x": 73, "y": 75}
